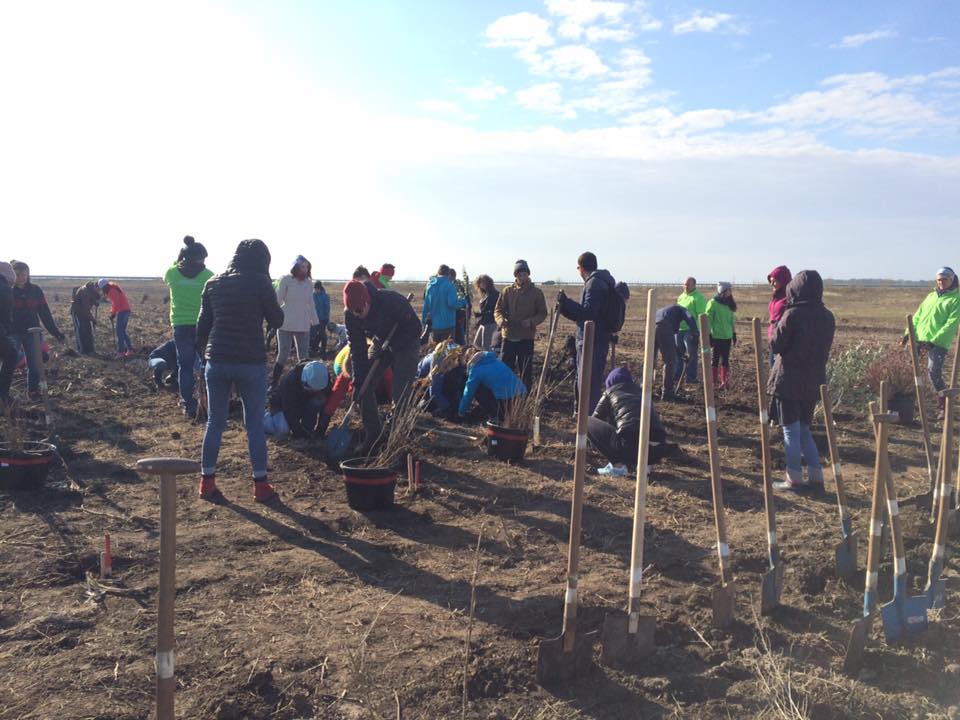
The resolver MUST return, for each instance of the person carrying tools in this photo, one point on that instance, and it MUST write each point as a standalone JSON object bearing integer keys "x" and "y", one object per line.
{"x": 669, "y": 321}
{"x": 376, "y": 315}
{"x": 519, "y": 309}
{"x": 694, "y": 301}
{"x": 119, "y": 313}
{"x": 29, "y": 310}
{"x": 295, "y": 405}
{"x": 936, "y": 323}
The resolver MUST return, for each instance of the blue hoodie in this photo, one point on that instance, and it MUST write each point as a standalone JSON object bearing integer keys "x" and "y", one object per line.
{"x": 440, "y": 303}
{"x": 493, "y": 374}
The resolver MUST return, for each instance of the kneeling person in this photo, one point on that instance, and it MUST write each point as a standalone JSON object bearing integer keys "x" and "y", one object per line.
{"x": 297, "y": 402}
{"x": 492, "y": 382}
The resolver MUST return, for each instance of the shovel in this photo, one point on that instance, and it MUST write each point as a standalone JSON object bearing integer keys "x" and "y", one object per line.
{"x": 772, "y": 584}
{"x": 905, "y": 615}
{"x": 339, "y": 439}
{"x": 846, "y": 552}
{"x": 724, "y": 594}
{"x": 860, "y": 632}
{"x": 921, "y": 409}
{"x": 36, "y": 347}
{"x": 563, "y": 658}
{"x": 954, "y": 377}
{"x": 629, "y": 636}
{"x": 554, "y": 320}
{"x": 936, "y": 586}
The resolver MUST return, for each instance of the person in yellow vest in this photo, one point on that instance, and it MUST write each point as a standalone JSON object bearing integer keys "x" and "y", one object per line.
{"x": 696, "y": 304}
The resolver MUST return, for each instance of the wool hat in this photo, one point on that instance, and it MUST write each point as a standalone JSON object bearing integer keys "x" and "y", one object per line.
{"x": 192, "y": 251}
{"x": 723, "y": 287}
{"x": 315, "y": 375}
{"x": 355, "y": 296}
{"x": 520, "y": 266}
{"x": 617, "y": 376}
{"x": 387, "y": 269}
{"x": 947, "y": 272}
{"x": 102, "y": 283}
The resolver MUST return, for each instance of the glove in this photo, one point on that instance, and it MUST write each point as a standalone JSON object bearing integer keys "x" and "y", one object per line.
{"x": 383, "y": 355}
{"x": 904, "y": 340}
{"x": 561, "y": 297}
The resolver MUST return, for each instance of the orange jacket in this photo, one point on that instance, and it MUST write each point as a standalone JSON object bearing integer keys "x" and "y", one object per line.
{"x": 117, "y": 297}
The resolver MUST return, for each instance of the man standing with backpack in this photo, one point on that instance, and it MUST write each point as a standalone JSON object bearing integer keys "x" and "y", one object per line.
{"x": 601, "y": 303}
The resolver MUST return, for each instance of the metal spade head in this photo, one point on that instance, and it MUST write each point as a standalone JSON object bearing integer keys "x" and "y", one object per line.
{"x": 618, "y": 646}
{"x": 556, "y": 665}
{"x": 936, "y": 594}
{"x": 770, "y": 588}
{"x": 846, "y": 556}
{"x": 904, "y": 616}
{"x": 853, "y": 660}
{"x": 723, "y": 604}
{"x": 338, "y": 442}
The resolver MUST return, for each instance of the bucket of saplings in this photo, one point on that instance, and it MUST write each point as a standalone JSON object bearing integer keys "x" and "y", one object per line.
{"x": 507, "y": 437}
{"x": 24, "y": 465}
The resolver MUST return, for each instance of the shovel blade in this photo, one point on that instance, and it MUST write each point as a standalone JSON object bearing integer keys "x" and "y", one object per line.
{"x": 723, "y": 606}
{"x": 892, "y": 624}
{"x": 770, "y": 589}
{"x": 338, "y": 442}
{"x": 618, "y": 646}
{"x": 846, "y": 556}
{"x": 556, "y": 666}
{"x": 903, "y": 617}
{"x": 937, "y": 594}
{"x": 859, "y": 633}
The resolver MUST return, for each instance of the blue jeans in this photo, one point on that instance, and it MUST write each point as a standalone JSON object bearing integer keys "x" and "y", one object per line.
{"x": 251, "y": 382}
{"x": 123, "y": 340}
{"x": 681, "y": 341}
{"x": 25, "y": 340}
{"x": 935, "y": 357}
{"x": 185, "y": 337}
{"x": 798, "y": 443}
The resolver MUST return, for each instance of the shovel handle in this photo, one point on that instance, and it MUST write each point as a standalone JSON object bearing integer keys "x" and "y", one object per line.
{"x": 946, "y": 458}
{"x": 716, "y": 486}
{"x": 845, "y": 522}
{"x": 643, "y": 464}
{"x": 915, "y": 359}
{"x": 893, "y": 507}
{"x": 876, "y": 514}
{"x": 943, "y": 482}
{"x": 554, "y": 320}
{"x": 576, "y": 506}
{"x": 768, "y": 502}
{"x": 367, "y": 380}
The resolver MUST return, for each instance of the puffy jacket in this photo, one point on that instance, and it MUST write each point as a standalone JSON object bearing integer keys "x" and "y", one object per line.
{"x": 235, "y": 304}
{"x": 296, "y": 299}
{"x": 937, "y": 317}
{"x": 441, "y": 302}
{"x": 801, "y": 341}
{"x": 30, "y": 309}
{"x": 778, "y": 302}
{"x": 488, "y": 304}
{"x": 516, "y": 304}
{"x": 387, "y": 309}
{"x": 117, "y": 297}
{"x": 492, "y": 373}
{"x": 695, "y": 302}
{"x": 722, "y": 318}
{"x": 292, "y": 398}
{"x": 620, "y": 406}
{"x": 592, "y": 306}
{"x": 321, "y": 303}
{"x": 85, "y": 299}
{"x": 675, "y": 317}
{"x": 186, "y": 281}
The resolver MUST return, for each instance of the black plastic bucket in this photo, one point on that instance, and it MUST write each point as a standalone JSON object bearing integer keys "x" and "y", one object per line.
{"x": 25, "y": 468}
{"x": 368, "y": 488}
{"x": 506, "y": 443}
{"x": 906, "y": 405}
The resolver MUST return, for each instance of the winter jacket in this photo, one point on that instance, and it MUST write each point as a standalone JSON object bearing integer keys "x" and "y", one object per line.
{"x": 517, "y": 304}
{"x": 675, "y": 317}
{"x": 30, "y": 309}
{"x": 321, "y": 303}
{"x": 186, "y": 281}
{"x": 620, "y": 406}
{"x": 440, "y": 303}
{"x": 778, "y": 302}
{"x": 801, "y": 341}
{"x": 695, "y": 302}
{"x": 6, "y": 307}
{"x": 296, "y": 299}
{"x": 723, "y": 319}
{"x": 117, "y": 297}
{"x": 387, "y": 309}
{"x": 488, "y": 304}
{"x": 937, "y": 317}
{"x": 235, "y": 304}
{"x": 492, "y": 373}
{"x": 293, "y": 398}
{"x": 592, "y": 306}
{"x": 85, "y": 299}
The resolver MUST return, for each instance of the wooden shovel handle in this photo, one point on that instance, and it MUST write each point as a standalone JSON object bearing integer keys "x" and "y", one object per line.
{"x": 167, "y": 466}
{"x": 915, "y": 358}
{"x": 834, "y": 454}
{"x": 876, "y": 512}
{"x": 371, "y": 371}
{"x": 768, "y": 502}
{"x": 882, "y": 428}
{"x": 554, "y": 320}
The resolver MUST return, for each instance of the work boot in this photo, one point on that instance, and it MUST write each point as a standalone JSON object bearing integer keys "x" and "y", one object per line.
{"x": 791, "y": 481}
{"x": 263, "y": 491}
{"x": 208, "y": 488}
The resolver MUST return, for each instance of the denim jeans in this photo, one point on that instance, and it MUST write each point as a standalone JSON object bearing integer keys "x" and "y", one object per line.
{"x": 185, "y": 337}
{"x": 681, "y": 341}
{"x": 798, "y": 443}
{"x": 251, "y": 382}
{"x": 123, "y": 340}
{"x": 935, "y": 357}
{"x": 25, "y": 340}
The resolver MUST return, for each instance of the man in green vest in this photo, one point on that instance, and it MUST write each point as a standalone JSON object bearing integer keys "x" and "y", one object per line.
{"x": 696, "y": 305}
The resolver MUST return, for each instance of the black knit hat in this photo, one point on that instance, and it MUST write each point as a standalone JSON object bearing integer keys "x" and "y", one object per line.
{"x": 192, "y": 251}
{"x": 520, "y": 266}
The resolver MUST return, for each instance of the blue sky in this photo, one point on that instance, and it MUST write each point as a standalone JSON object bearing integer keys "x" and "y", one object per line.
{"x": 715, "y": 139}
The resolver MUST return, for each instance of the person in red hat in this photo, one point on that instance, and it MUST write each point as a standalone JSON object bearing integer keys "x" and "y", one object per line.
{"x": 380, "y": 315}
{"x": 383, "y": 277}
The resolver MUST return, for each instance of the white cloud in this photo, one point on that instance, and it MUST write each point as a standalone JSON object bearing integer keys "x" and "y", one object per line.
{"x": 707, "y": 22}
{"x": 484, "y": 92}
{"x": 572, "y": 62}
{"x": 663, "y": 122}
{"x": 440, "y": 107}
{"x": 855, "y": 41}
{"x": 547, "y": 98}
{"x": 601, "y": 34}
{"x": 575, "y": 15}
{"x": 525, "y": 32}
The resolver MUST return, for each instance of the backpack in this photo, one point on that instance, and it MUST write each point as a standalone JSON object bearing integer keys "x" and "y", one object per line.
{"x": 616, "y": 312}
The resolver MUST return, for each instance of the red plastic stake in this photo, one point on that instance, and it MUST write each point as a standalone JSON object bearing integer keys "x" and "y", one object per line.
{"x": 106, "y": 558}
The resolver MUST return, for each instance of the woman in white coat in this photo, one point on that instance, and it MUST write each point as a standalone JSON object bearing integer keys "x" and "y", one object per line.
{"x": 295, "y": 295}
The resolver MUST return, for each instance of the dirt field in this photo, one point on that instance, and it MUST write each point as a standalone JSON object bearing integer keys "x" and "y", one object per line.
{"x": 306, "y": 609}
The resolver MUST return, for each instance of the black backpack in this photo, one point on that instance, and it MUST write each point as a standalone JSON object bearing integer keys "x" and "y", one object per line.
{"x": 617, "y": 307}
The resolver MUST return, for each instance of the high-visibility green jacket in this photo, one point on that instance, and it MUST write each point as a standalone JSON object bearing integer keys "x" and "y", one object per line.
{"x": 695, "y": 302}
{"x": 937, "y": 318}
{"x": 722, "y": 320}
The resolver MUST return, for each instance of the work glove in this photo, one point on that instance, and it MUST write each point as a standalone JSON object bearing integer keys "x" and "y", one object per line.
{"x": 561, "y": 297}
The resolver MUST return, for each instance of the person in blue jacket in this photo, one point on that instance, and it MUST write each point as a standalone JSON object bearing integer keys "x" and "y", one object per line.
{"x": 491, "y": 382}
{"x": 318, "y": 333}
{"x": 440, "y": 305}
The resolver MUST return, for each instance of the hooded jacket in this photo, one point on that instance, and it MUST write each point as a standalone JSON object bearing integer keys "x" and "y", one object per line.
{"x": 490, "y": 372}
{"x": 620, "y": 406}
{"x": 30, "y": 309}
{"x": 801, "y": 341}
{"x": 778, "y": 301}
{"x": 321, "y": 303}
{"x": 695, "y": 302}
{"x": 519, "y": 302}
{"x": 723, "y": 318}
{"x": 84, "y": 300}
{"x": 296, "y": 298}
{"x": 937, "y": 317}
{"x": 387, "y": 308}
{"x": 185, "y": 280}
{"x": 676, "y": 316}
{"x": 235, "y": 304}
{"x": 592, "y": 306}
{"x": 293, "y": 399}
{"x": 441, "y": 302}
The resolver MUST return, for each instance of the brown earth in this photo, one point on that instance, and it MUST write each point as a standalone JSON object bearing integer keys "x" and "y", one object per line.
{"x": 307, "y": 609}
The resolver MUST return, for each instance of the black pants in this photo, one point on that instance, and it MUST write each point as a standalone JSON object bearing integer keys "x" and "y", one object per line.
{"x": 492, "y": 409}
{"x": 83, "y": 329}
{"x": 441, "y": 335}
{"x": 318, "y": 340}
{"x": 666, "y": 345}
{"x": 622, "y": 447}
{"x": 8, "y": 360}
{"x": 518, "y": 356}
{"x": 721, "y": 352}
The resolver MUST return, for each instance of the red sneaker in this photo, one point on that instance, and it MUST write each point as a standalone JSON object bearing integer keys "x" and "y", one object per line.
{"x": 263, "y": 491}
{"x": 208, "y": 488}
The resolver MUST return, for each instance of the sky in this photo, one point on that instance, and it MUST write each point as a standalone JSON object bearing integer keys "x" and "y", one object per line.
{"x": 714, "y": 139}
